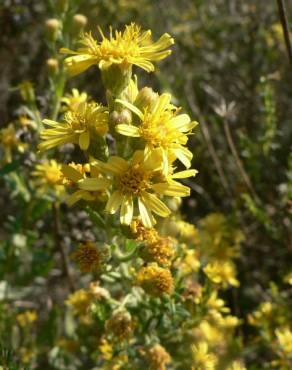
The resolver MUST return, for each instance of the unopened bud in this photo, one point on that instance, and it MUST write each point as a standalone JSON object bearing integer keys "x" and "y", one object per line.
{"x": 52, "y": 29}
{"x": 79, "y": 22}
{"x": 27, "y": 91}
{"x": 53, "y": 66}
{"x": 145, "y": 98}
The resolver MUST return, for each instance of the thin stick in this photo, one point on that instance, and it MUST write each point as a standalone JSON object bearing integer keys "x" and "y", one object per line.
{"x": 285, "y": 27}
{"x": 60, "y": 246}
{"x": 237, "y": 159}
{"x": 207, "y": 137}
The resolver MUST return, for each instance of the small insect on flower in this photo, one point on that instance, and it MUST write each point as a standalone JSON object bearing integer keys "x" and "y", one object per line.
{"x": 137, "y": 181}
{"x": 155, "y": 280}
{"x": 161, "y": 127}
{"x": 127, "y": 48}
{"x": 79, "y": 126}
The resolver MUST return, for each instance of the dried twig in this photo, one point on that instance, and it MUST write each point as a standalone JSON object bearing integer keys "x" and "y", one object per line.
{"x": 285, "y": 27}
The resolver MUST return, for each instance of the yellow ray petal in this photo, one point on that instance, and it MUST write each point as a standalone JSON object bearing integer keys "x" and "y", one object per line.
{"x": 126, "y": 213}
{"x": 128, "y": 130}
{"x": 84, "y": 139}
{"x": 114, "y": 202}
{"x": 155, "y": 204}
{"x": 71, "y": 173}
{"x": 93, "y": 184}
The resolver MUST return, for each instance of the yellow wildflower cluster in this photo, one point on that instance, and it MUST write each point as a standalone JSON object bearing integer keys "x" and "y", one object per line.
{"x": 26, "y": 318}
{"x": 139, "y": 172}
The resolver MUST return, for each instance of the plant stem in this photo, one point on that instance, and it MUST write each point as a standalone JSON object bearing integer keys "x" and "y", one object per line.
{"x": 60, "y": 246}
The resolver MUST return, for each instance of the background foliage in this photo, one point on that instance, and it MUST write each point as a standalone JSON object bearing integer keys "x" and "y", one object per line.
{"x": 229, "y": 70}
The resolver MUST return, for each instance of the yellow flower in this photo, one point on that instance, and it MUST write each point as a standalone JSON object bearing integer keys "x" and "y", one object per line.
{"x": 158, "y": 357}
{"x": 106, "y": 349}
{"x": 160, "y": 251}
{"x": 190, "y": 263}
{"x": 155, "y": 280}
{"x": 138, "y": 181}
{"x": 48, "y": 176}
{"x": 142, "y": 233}
{"x": 9, "y": 141}
{"x": 79, "y": 301}
{"x": 79, "y": 126}
{"x": 88, "y": 257}
{"x": 161, "y": 127}
{"x": 203, "y": 360}
{"x": 221, "y": 273}
{"x": 120, "y": 325}
{"x": 236, "y": 365}
{"x": 284, "y": 337}
{"x": 72, "y": 101}
{"x": 75, "y": 173}
{"x": 26, "y": 318}
{"x": 127, "y": 48}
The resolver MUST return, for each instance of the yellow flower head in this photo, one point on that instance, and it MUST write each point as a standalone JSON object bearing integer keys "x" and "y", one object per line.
{"x": 74, "y": 173}
{"x": 161, "y": 127}
{"x": 88, "y": 256}
{"x": 284, "y": 338}
{"x": 203, "y": 359}
{"x": 158, "y": 357}
{"x": 72, "y": 101}
{"x": 79, "y": 127}
{"x": 140, "y": 182}
{"x": 48, "y": 176}
{"x": 142, "y": 233}
{"x": 9, "y": 141}
{"x": 79, "y": 301}
{"x": 120, "y": 325}
{"x": 127, "y": 48}
{"x": 161, "y": 251}
{"x": 190, "y": 263}
{"x": 155, "y": 280}
{"x": 221, "y": 273}
{"x": 26, "y": 318}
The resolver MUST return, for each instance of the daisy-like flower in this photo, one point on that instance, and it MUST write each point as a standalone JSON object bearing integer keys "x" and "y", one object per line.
{"x": 9, "y": 141}
{"x": 75, "y": 173}
{"x": 89, "y": 119}
{"x": 132, "y": 46}
{"x": 72, "y": 101}
{"x": 138, "y": 182}
{"x": 161, "y": 127}
{"x": 48, "y": 176}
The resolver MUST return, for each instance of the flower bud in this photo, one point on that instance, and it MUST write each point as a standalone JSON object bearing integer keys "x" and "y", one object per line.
{"x": 52, "y": 66}
{"x": 27, "y": 91}
{"x": 79, "y": 22}
{"x": 145, "y": 98}
{"x": 117, "y": 118}
{"x": 52, "y": 27}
